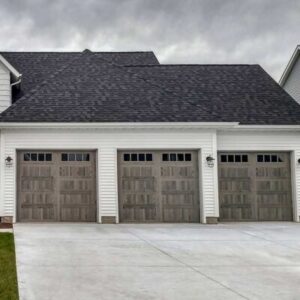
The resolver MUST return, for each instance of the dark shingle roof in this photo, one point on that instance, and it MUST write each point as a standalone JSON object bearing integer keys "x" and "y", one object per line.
{"x": 37, "y": 66}
{"x": 105, "y": 87}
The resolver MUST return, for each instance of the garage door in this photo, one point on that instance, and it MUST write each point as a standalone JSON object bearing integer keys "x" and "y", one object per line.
{"x": 255, "y": 187}
{"x": 158, "y": 186}
{"x": 56, "y": 186}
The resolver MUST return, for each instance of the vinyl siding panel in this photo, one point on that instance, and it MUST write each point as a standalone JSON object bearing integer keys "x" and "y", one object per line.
{"x": 292, "y": 84}
{"x": 259, "y": 141}
{"x": 5, "y": 89}
{"x": 107, "y": 142}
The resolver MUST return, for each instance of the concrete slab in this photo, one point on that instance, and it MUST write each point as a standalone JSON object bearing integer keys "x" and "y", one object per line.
{"x": 158, "y": 261}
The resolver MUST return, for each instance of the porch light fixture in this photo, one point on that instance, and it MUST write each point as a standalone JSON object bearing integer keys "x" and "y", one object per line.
{"x": 299, "y": 161}
{"x": 8, "y": 161}
{"x": 210, "y": 161}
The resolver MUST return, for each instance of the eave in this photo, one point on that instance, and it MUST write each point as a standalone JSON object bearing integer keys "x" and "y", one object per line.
{"x": 221, "y": 126}
{"x": 290, "y": 66}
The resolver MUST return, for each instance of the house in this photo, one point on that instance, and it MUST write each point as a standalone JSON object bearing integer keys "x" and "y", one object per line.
{"x": 114, "y": 137}
{"x": 290, "y": 79}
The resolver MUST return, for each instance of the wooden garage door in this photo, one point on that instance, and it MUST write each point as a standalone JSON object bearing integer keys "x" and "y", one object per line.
{"x": 255, "y": 187}
{"x": 158, "y": 186}
{"x": 56, "y": 186}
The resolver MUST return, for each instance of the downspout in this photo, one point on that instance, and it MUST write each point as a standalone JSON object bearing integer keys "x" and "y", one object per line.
{"x": 17, "y": 82}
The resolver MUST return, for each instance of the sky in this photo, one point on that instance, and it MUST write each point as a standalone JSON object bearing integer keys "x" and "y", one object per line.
{"x": 263, "y": 32}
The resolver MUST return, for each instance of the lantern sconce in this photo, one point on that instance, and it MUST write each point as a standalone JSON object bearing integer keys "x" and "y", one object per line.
{"x": 298, "y": 160}
{"x": 210, "y": 161}
{"x": 8, "y": 161}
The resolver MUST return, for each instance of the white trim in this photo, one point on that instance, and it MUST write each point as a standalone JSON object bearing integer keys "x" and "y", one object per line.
{"x": 2, "y": 165}
{"x": 216, "y": 178}
{"x": 117, "y": 185}
{"x": 289, "y": 66}
{"x": 118, "y": 125}
{"x": 153, "y": 125}
{"x": 293, "y": 163}
{"x": 10, "y": 67}
{"x": 200, "y": 182}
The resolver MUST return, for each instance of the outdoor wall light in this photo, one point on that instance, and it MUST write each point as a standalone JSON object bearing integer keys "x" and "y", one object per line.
{"x": 210, "y": 161}
{"x": 8, "y": 161}
{"x": 298, "y": 160}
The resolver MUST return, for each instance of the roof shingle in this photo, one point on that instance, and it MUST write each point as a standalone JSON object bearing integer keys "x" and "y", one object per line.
{"x": 106, "y": 87}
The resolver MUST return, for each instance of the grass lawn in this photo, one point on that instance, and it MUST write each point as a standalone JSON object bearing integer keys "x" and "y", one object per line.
{"x": 8, "y": 275}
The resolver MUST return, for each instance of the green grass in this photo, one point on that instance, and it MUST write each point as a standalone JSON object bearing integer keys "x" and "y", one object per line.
{"x": 8, "y": 275}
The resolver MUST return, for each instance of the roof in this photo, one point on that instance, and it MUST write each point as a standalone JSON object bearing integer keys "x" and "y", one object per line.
{"x": 113, "y": 87}
{"x": 37, "y": 66}
{"x": 290, "y": 66}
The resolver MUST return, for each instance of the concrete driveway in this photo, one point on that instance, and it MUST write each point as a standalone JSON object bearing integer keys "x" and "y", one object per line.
{"x": 92, "y": 261}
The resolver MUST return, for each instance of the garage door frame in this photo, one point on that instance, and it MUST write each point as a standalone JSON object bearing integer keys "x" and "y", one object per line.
{"x": 177, "y": 149}
{"x": 291, "y": 156}
{"x": 50, "y": 149}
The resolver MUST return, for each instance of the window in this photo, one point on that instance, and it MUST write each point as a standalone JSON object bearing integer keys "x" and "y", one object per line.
{"x": 141, "y": 157}
{"x": 223, "y": 158}
{"x": 37, "y": 157}
{"x": 173, "y": 157}
{"x": 234, "y": 158}
{"x": 75, "y": 157}
{"x": 137, "y": 157}
{"x": 268, "y": 158}
{"x": 176, "y": 156}
{"x": 165, "y": 157}
{"x": 126, "y": 157}
{"x": 244, "y": 158}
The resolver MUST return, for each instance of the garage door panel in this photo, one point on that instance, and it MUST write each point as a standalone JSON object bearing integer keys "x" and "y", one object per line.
{"x": 266, "y": 191}
{"x": 158, "y": 190}
{"x": 60, "y": 189}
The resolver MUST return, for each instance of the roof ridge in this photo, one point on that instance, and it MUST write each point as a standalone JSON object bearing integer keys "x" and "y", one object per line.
{"x": 121, "y": 52}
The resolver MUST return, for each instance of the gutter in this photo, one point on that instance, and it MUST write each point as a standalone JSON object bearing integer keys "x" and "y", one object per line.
{"x": 220, "y": 126}
{"x": 17, "y": 82}
{"x": 135, "y": 125}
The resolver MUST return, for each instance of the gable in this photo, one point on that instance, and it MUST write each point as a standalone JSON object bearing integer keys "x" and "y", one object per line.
{"x": 5, "y": 89}
{"x": 292, "y": 81}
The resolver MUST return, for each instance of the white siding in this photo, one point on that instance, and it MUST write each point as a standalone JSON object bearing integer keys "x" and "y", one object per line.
{"x": 107, "y": 142}
{"x": 292, "y": 84}
{"x": 5, "y": 89}
{"x": 258, "y": 141}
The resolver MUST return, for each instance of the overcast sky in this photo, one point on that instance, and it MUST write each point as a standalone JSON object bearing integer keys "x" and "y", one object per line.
{"x": 178, "y": 31}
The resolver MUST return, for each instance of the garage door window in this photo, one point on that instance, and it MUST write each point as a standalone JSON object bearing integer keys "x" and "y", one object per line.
{"x": 177, "y": 157}
{"x": 137, "y": 157}
{"x": 237, "y": 158}
{"x": 268, "y": 158}
{"x": 75, "y": 157}
{"x": 37, "y": 157}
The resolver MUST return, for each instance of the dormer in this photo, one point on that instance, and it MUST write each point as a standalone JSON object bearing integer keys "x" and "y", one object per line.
{"x": 9, "y": 78}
